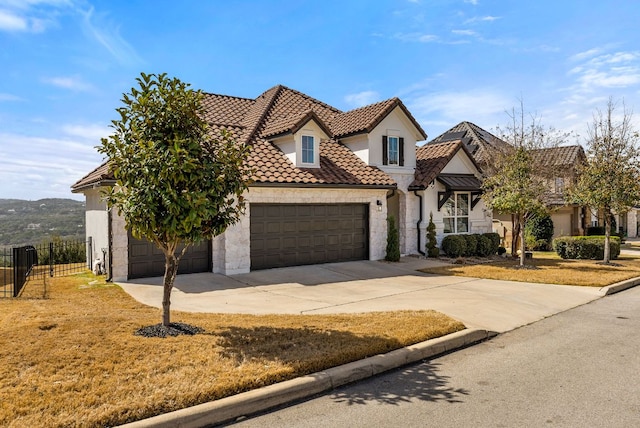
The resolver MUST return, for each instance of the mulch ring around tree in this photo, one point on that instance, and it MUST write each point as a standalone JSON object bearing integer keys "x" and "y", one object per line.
{"x": 173, "y": 329}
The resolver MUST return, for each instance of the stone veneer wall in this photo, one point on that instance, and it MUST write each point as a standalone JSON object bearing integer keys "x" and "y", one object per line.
{"x": 119, "y": 247}
{"x": 231, "y": 250}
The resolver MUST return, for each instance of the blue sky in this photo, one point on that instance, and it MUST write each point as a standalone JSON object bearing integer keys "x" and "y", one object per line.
{"x": 66, "y": 64}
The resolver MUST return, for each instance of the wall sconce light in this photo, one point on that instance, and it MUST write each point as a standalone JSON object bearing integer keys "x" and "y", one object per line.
{"x": 379, "y": 205}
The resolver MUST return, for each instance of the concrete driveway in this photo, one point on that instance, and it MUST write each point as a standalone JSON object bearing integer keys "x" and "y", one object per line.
{"x": 366, "y": 286}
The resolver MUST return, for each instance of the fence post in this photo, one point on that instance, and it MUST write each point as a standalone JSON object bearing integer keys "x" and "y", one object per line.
{"x": 90, "y": 253}
{"x": 51, "y": 259}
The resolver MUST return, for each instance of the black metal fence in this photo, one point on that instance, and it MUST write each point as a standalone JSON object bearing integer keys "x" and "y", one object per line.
{"x": 20, "y": 265}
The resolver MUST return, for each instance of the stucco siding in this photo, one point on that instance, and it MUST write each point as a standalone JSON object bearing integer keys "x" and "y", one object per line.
{"x": 97, "y": 223}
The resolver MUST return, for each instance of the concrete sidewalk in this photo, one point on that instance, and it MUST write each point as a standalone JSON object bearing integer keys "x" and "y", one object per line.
{"x": 367, "y": 286}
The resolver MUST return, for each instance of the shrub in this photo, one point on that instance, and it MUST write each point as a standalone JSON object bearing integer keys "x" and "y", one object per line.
{"x": 432, "y": 242}
{"x": 539, "y": 232}
{"x": 485, "y": 246}
{"x": 393, "y": 241}
{"x": 454, "y": 246}
{"x": 495, "y": 241}
{"x": 501, "y": 251}
{"x": 472, "y": 244}
{"x": 585, "y": 247}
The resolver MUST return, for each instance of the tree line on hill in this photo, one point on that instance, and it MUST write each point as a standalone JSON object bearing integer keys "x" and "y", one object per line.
{"x": 25, "y": 222}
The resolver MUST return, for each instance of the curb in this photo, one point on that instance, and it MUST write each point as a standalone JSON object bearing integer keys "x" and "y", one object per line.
{"x": 619, "y": 286}
{"x": 250, "y": 402}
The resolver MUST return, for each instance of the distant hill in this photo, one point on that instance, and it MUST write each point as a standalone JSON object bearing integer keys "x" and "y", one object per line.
{"x": 32, "y": 222}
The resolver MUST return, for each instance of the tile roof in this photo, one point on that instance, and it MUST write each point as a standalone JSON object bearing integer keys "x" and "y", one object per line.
{"x": 562, "y": 156}
{"x": 281, "y": 110}
{"x": 97, "y": 176}
{"x": 431, "y": 159}
{"x": 479, "y": 142}
{"x": 364, "y": 119}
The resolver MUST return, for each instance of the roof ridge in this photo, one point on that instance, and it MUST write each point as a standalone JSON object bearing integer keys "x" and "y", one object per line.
{"x": 254, "y": 128}
{"x": 227, "y": 96}
{"x": 314, "y": 100}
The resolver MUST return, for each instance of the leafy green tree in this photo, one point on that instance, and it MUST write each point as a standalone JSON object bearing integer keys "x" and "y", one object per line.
{"x": 516, "y": 183}
{"x": 176, "y": 182}
{"x": 610, "y": 182}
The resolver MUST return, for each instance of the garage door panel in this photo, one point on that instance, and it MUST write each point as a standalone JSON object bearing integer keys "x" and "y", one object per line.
{"x": 147, "y": 260}
{"x": 299, "y": 234}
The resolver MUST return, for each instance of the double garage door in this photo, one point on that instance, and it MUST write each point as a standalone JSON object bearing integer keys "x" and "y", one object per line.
{"x": 147, "y": 260}
{"x": 302, "y": 234}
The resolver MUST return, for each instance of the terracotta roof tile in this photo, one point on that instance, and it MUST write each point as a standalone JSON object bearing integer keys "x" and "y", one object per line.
{"x": 280, "y": 110}
{"x": 430, "y": 161}
{"x": 364, "y": 119}
{"x": 98, "y": 175}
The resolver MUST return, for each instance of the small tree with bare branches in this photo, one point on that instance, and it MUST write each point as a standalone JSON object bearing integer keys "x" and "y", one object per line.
{"x": 610, "y": 181}
{"x": 516, "y": 180}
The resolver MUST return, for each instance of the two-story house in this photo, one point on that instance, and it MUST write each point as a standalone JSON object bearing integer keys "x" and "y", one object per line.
{"x": 324, "y": 182}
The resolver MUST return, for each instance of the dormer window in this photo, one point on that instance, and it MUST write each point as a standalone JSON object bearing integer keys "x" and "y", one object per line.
{"x": 308, "y": 150}
{"x": 392, "y": 150}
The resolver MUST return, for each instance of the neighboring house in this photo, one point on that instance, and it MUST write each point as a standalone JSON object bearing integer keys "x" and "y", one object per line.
{"x": 324, "y": 181}
{"x": 447, "y": 173}
{"x": 560, "y": 165}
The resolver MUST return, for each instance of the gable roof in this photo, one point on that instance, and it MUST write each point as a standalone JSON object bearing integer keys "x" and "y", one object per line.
{"x": 279, "y": 111}
{"x": 432, "y": 158}
{"x": 479, "y": 142}
{"x": 365, "y": 119}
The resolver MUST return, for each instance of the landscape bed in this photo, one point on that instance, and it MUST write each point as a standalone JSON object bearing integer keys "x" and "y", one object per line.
{"x": 73, "y": 360}
{"x": 548, "y": 268}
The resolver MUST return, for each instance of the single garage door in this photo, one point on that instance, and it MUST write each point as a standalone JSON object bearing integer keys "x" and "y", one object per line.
{"x": 146, "y": 260}
{"x": 303, "y": 234}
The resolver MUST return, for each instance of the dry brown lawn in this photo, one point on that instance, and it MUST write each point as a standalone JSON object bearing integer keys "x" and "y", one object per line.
{"x": 72, "y": 359}
{"x": 551, "y": 269}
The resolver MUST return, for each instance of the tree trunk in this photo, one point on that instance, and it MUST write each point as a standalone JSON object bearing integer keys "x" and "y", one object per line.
{"x": 170, "y": 271}
{"x": 522, "y": 246}
{"x": 515, "y": 233}
{"x": 607, "y": 236}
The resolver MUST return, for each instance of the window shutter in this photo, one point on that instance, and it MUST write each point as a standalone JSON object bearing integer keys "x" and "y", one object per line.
{"x": 385, "y": 150}
{"x": 401, "y": 151}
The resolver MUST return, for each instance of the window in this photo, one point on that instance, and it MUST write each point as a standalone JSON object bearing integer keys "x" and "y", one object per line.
{"x": 456, "y": 213}
{"x": 559, "y": 185}
{"x": 308, "y": 149}
{"x": 392, "y": 150}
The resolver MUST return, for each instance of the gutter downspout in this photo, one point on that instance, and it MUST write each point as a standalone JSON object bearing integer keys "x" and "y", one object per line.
{"x": 415, "y": 192}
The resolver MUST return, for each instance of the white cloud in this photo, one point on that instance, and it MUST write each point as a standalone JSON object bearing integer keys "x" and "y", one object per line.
{"x": 464, "y": 32}
{"x": 362, "y": 98}
{"x": 473, "y": 2}
{"x": 487, "y": 18}
{"x": 108, "y": 36}
{"x": 73, "y": 83}
{"x": 416, "y": 37}
{"x": 36, "y": 167}
{"x": 33, "y": 16}
{"x": 597, "y": 70}
{"x": 438, "y": 111}
{"x": 93, "y": 132}
{"x": 11, "y": 22}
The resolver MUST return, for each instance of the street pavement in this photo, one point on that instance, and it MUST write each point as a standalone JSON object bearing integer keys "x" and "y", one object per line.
{"x": 580, "y": 368}
{"x": 367, "y": 286}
